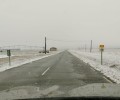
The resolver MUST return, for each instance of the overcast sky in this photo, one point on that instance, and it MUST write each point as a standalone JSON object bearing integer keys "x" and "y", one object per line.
{"x": 29, "y": 21}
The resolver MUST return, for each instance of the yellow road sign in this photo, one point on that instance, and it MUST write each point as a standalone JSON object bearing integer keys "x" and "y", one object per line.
{"x": 101, "y": 46}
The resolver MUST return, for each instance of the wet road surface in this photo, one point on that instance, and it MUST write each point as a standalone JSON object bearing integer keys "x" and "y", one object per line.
{"x": 63, "y": 70}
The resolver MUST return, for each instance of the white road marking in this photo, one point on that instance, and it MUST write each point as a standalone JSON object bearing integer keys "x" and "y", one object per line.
{"x": 92, "y": 69}
{"x": 45, "y": 71}
{"x": 107, "y": 79}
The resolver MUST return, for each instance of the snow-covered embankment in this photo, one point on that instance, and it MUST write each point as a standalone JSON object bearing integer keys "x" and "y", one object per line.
{"x": 111, "y": 62}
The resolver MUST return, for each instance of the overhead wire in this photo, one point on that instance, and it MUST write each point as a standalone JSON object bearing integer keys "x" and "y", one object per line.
{"x": 66, "y": 40}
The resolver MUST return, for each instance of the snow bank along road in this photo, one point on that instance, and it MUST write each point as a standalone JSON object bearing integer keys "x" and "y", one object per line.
{"x": 19, "y": 60}
{"x": 62, "y": 69}
{"x": 110, "y": 67}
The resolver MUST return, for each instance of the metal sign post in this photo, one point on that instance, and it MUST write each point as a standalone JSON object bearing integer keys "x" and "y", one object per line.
{"x": 9, "y": 61}
{"x": 9, "y": 54}
{"x": 101, "y": 56}
{"x": 101, "y": 47}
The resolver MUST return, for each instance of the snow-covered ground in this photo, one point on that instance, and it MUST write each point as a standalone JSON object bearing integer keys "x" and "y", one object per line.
{"x": 111, "y": 61}
{"x": 21, "y": 58}
{"x": 3, "y": 56}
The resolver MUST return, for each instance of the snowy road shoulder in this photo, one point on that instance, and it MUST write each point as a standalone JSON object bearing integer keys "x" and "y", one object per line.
{"x": 111, "y": 72}
{"x": 19, "y": 63}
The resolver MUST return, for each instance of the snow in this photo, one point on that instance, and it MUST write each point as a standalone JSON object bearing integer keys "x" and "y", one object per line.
{"x": 3, "y": 56}
{"x": 111, "y": 62}
{"x": 22, "y": 61}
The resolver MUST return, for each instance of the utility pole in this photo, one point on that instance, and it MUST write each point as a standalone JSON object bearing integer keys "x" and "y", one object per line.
{"x": 45, "y": 45}
{"x": 85, "y": 47}
{"x": 91, "y": 46}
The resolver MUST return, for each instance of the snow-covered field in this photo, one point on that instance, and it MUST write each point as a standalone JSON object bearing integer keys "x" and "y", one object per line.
{"x": 21, "y": 57}
{"x": 111, "y": 61}
{"x": 3, "y": 56}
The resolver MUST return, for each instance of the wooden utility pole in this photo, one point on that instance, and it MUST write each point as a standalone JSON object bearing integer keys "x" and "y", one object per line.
{"x": 91, "y": 46}
{"x": 45, "y": 45}
{"x": 85, "y": 47}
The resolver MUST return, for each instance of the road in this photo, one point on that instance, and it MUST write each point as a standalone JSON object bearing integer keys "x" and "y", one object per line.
{"x": 63, "y": 69}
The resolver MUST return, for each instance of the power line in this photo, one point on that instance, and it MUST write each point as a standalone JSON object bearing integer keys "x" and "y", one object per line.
{"x": 66, "y": 40}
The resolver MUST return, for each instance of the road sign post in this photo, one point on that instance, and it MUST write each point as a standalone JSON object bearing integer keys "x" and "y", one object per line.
{"x": 101, "y": 57}
{"x": 101, "y": 47}
{"x": 9, "y": 54}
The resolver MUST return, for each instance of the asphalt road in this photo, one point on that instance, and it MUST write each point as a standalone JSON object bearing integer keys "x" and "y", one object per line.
{"x": 63, "y": 69}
